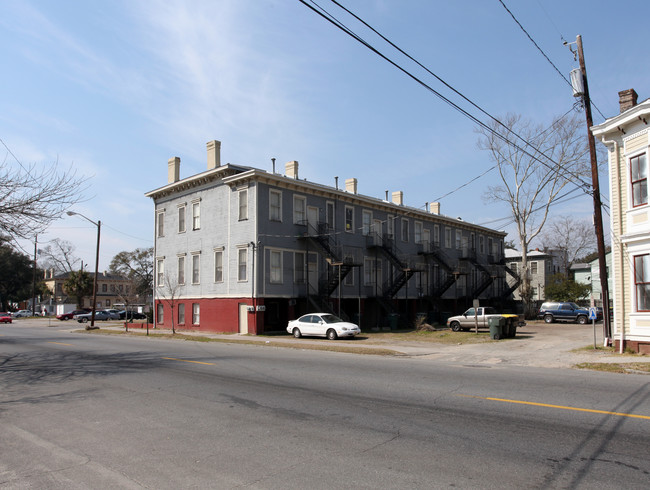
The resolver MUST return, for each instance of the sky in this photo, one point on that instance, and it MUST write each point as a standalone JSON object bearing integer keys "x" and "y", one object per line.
{"x": 114, "y": 89}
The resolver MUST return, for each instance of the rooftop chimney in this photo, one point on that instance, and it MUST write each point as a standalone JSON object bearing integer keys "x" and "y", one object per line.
{"x": 291, "y": 169}
{"x": 627, "y": 99}
{"x": 173, "y": 170}
{"x": 351, "y": 185}
{"x": 214, "y": 154}
{"x": 434, "y": 207}
{"x": 398, "y": 197}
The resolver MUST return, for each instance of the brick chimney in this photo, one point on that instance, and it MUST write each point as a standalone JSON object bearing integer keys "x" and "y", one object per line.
{"x": 627, "y": 99}
{"x": 291, "y": 169}
{"x": 398, "y": 197}
{"x": 173, "y": 170}
{"x": 351, "y": 185}
{"x": 214, "y": 154}
{"x": 434, "y": 207}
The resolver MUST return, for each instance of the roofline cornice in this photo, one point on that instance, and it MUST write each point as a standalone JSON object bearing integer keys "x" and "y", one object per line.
{"x": 631, "y": 115}
{"x": 196, "y": 180}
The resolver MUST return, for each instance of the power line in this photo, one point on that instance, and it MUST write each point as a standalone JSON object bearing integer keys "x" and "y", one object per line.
{"x": 334, "y": 21}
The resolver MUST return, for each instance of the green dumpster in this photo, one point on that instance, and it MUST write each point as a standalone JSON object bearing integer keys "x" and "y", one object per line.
{"x": 393, "y": 321}
{"x": 496, "y": 324}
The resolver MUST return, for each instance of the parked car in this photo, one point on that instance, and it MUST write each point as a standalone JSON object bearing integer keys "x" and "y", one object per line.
{"x": 322, "y": 325}
{"x": 567, "y": 311}
{"x": 71, "y": 314}
{"x": 133, "y": 315}
{"x": 5, "y": 317}
{"x": 22, "y": 313}
{"x": 99, "y": 315}
{"x": 480, "y": 315}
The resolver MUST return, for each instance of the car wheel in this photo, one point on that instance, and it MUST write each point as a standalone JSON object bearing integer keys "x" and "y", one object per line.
{"x": 296, "y": 333}
{"x": 84, "y": 320}
{"x": 455, "y": 326}
{"x": 548, "y": 318}
{"x": 582, "y": 319}
{"x": 331, "y": 334}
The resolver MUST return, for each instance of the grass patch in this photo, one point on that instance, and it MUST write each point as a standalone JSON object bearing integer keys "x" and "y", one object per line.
{"x": 352, "y": 349}
{"x": 445, "y": 336}
{"x": 617, "y": 367}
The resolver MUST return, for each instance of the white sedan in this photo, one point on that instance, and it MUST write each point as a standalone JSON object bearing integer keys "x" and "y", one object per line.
{"x": 322, "y": 325}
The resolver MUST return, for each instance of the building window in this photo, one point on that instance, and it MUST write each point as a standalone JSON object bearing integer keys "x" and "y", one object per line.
{"x": 242, "y": 259}
{"x": 447, "y": 237}
{"x": 112, "y": 288}
{"x": 329, "y": 215}
{"x": 181, "y": 270}
{"x": 366, "y": 218}
{"x": 533, "y": 267}
{"x": 368, "y": 271}
{"x": 196, "y": 215}
{"x": 196, "y": 268}
{"x": 181, "y": 313}
{"x": 160, "y": 225}
{"x": 459, "y": 235}
{"x": 196, "y": 313}
{"x": 405, "y": 230}
{"x": 349, "y": 279}
{"x": 276, "y": 267}
{"x": 299, "y": 268}
{"x": 481, "y": 244}
{"x": 349, "y": 219}
{"x": 243, "y": 205}
{"x": 108, "y": 303}
{"x": 159, "y": 313}
{"x": 390, "y": 227}
{"x": 181, "y": 219}
{"x": 275, "y": 205}
{"x": 436, "y": 235}
{"x": 218, "y": 266}
{"x": 639, "y": 174}
{"x": 104, "y": 288}
{"x": 160, "y": 272}
{"x": 642, "y": 281}
{"x": 490, "y": 246}
{"x": 514, "y": 266}
{"x": 417, "y": 230}
{"x": 299, "y": 210}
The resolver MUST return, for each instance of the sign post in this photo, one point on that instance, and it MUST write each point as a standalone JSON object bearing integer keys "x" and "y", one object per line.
{"x": 592, "y": 316}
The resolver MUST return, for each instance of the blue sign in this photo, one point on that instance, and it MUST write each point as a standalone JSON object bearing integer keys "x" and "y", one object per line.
{"x": 593, "y": 315}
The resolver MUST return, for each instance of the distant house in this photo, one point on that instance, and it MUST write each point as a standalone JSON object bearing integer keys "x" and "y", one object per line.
{"x": 589, "y": 273}
{"x": 627, "y": 137}
{"x": 111, "y": 289}
{"x": 541, "y": 267}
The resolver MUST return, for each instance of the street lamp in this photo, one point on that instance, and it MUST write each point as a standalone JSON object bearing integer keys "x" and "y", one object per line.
{"x": 98, "y": 224}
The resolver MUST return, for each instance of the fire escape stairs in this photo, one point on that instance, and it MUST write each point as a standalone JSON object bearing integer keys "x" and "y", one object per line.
{"x": 515, "y": 285}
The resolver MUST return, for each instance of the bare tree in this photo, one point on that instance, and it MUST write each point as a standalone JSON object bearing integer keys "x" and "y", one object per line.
{"x": 137, "y": 266}
{"x": 59, "y": 255}
{"x": 33, "y": 197}
{"x": 572, "y": 237}
{"x": 533, "y": 176}
{"x": 169, "y": 292}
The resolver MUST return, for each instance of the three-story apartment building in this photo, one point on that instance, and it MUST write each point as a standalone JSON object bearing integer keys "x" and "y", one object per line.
{"x": 240, "y": 249}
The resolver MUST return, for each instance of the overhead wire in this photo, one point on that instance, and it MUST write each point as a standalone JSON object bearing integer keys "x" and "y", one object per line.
{"x": 337, "y": 23}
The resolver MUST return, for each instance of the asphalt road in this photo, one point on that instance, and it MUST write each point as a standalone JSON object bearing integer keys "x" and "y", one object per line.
{"x": 88, "y": 411}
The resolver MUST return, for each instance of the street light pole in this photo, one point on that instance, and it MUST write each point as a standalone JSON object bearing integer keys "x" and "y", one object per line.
{"x": 98, "y": 224}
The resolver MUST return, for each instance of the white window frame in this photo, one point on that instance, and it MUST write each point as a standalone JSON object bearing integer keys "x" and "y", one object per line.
{"x": 459, "y": 239}
{"x": 417, "y": 232}
{"x": 366, "y": 222}
{"x": 299, "y": 210}
{"x": 275, "y": 209}
{"x": 182, "y": 209}
{"x": 275, "y": 266}
{"x": 181, "y": 314}
{"x": 643, "y": 155}
{"x": 243, "y": 204}
{"x": 196, "y": 313}
{"x": 196, "y": 268}
{"x": 196, "y": 215}
{"x": 242, "y": 265}
{"x": 180, "y": 270}
{"x": 160, "y": 313}
{"x": 436, "y": 235}
{"x": 448, "y": 237}
{"x": 218, "y": 266}
{"x": 160, "y": 223}
{"x": 160, "y": 272}
{"x": 349, "y": 227}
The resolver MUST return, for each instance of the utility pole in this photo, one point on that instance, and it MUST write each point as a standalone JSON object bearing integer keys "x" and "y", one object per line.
{"x": 34, "y": 277}
{"x": 598, "y": 216}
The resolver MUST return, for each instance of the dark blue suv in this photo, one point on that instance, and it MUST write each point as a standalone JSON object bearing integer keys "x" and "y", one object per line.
{"x": 563, "y": 312}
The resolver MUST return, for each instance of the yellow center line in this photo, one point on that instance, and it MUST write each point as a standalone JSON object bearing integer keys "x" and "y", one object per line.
{"x": 561, "y": 407}
{"x": 185, "y": 360}
{"x": 58, "y": 343}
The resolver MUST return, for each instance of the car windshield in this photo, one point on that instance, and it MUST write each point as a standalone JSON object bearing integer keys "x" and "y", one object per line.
{"x": 574, "y": 306}
{"x": 331, "y": 319}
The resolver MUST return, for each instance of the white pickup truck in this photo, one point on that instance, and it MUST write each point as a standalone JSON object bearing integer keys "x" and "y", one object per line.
{"x": 467, "y": 320}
